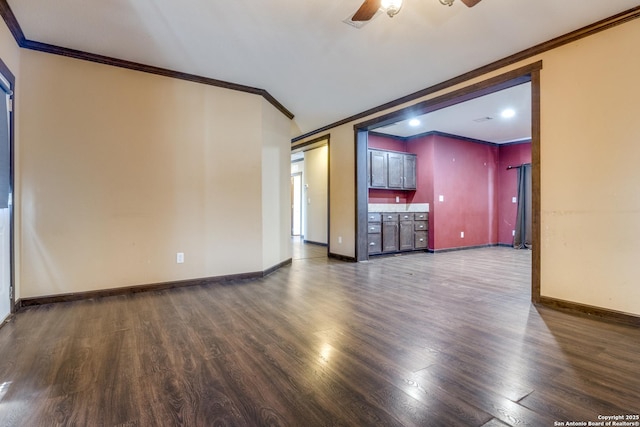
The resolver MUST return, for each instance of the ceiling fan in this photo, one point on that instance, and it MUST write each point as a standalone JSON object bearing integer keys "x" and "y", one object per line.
{"x": 370, "y": 7}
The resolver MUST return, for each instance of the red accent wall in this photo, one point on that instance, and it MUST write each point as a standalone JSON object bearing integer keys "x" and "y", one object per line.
{"x": 465, "y": 174}
{"x": 510, "y": 155}
{"x": 424, "y": 148}
{"x": 386, "y": 143}
{"x": 474, "y": 181}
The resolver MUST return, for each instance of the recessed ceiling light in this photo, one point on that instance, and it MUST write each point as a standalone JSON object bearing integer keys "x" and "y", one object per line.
{"x": 414, "y": 122}
{"x": 508, "y": 113}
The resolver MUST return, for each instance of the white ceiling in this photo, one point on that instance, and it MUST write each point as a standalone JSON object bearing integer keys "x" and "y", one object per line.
{"x": 479, "y": 118}
{"x": 318, "y": 67}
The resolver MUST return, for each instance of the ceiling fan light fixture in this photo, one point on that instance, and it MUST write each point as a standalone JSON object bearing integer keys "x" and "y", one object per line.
{"x": 446, "y": 2}
{"x": 391, "y": 7}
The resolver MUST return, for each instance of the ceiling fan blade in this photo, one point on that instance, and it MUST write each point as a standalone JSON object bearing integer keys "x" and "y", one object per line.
{"x": 367, "y": 10}
{"x": 471, "y": 3}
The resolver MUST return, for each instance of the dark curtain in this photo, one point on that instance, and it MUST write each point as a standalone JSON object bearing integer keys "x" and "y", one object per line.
{"x": 522, "y": 238}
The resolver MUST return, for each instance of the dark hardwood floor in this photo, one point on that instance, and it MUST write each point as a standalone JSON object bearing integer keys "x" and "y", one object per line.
{"x": 303, "y": 250}
{"x": 446, "y": 339}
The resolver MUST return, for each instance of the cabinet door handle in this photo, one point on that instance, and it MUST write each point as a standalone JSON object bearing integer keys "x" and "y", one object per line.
{"x": 372, "y": 244}
{"x": 422, "y": 240}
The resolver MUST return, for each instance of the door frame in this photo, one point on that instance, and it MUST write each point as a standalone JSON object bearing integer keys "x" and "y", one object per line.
{"x": 9, "y": 76}
{"x": 527, "y": 73}
{"x": 310, "y": 145}
{"x": 293, "y": 177}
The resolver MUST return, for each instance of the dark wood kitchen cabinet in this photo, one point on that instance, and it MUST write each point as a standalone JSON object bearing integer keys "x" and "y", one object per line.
{"x": 377, "y": 169}
{"x": 392, "y": 170}
{"x": 390, "y": 232}
{"x": 406, "y": 237}
{"x": 374, "y": 233}
{"x": 409, "y": 172}
{"x": 395, "y": 170}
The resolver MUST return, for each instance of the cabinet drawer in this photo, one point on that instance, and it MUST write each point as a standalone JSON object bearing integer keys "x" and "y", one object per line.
{"x": 420, "y": 225}
{"x": 420, "y": 240}
{"x": 389, "y": 217}
{"x": 373, "y": 228}
{"x": 375, "y": 243}
{"x": 406, "y": 217}
{"x": 421, "y": 216}
{"x": 373, "y": 217}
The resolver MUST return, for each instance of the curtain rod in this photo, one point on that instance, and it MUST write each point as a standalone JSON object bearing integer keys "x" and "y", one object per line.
{"x": 516, "y": 167}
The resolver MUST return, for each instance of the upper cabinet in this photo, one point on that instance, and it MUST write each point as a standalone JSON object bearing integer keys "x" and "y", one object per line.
{"x": 391, "y": 169}
{"x": 377, "y": 169}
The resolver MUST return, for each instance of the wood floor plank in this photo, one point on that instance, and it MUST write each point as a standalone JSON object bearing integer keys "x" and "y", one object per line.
{"x": 417, "y": 340}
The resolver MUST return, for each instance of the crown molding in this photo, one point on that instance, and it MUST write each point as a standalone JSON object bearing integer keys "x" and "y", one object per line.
{"x": 14, "y": 26}
{"x": 605, "y": 24}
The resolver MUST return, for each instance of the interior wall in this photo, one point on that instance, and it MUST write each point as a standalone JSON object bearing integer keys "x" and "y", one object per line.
{"x": 316, "y": 195}
{"x": 589, "y": 153}
{"x": 465, "y": 177}
{"x": 590, "y": 175}
{"x": 276, "y": 187}
{"x": 509, "y": 155}
{"x": 121, "y": 170}
{"x": 424, "y": 148}
{"x": 342, "y": 201}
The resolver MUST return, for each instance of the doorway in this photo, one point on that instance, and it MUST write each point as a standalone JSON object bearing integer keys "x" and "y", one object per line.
{"x": 296, "y": 204}
{"x": 7, "y": 81}
{"x": 529, "y": 73}
{"x": 310, "y": 198}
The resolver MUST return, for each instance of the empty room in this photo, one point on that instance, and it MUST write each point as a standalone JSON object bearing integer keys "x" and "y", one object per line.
{"x": 399, "y": 213}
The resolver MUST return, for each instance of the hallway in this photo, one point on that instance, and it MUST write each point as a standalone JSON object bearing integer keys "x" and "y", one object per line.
{"x": 301, "y": 250}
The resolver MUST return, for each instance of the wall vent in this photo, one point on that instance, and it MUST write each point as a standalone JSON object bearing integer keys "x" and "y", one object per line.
{"x": 483, "y": 119}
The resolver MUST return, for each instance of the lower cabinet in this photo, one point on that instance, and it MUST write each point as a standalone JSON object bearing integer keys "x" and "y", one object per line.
{"x": 390, "y": 232}
{"x": 374, "y": 233}
{"x": 406, "y": 235}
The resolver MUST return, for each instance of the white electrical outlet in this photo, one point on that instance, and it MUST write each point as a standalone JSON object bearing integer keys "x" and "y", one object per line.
{"x": 514, "y": 200}
{"x": 462, "y": 234}
{"x": 339, "y": 240}
{"x": 180, "y": 257}
{"x": 513, "y": 232}
{"x": 397, "y": 199}
{"x": 441, "y": 198}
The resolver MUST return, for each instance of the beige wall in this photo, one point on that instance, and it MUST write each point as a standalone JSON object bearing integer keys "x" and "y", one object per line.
{"x": 315, "y": 194}
{"x": 120, "y": 170}
{"x": 589, "y": 155}
{"x": 276, "y": 183}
